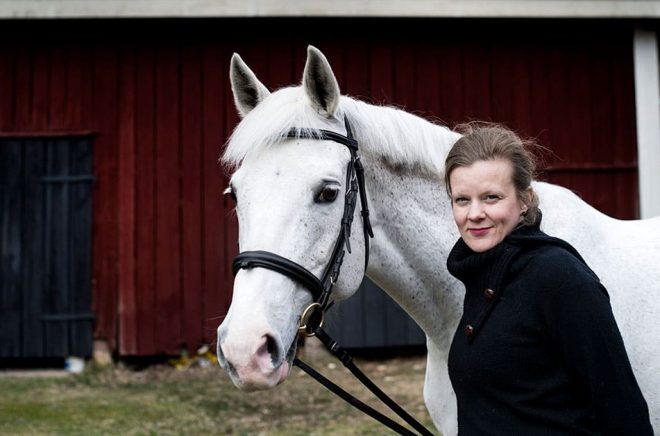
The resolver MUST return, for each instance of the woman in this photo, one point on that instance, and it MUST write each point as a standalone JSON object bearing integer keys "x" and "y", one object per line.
{"x": 537, "y": 350}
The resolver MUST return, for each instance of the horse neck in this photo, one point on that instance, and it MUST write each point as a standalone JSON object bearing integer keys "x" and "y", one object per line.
{"x": 414, "y": 232}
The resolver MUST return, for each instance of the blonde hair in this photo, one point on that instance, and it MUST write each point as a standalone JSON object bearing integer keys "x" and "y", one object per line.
{"x": 487, "y": 141}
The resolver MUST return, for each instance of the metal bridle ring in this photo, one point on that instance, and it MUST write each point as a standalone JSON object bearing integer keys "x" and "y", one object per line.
{"x": 311, "y": 319}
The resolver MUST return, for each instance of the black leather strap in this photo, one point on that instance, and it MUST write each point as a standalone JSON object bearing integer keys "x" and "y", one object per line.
{"x": 350, "y": 399}
{"x": 348, "y": 362}
{"x": 328, "y": 135}
{"x": 282, "y": 265}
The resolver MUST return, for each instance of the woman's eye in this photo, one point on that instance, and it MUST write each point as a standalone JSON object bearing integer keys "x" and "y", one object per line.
{"x": 230, "y": 191}
{"x": 328, "y": 194}
{"x": 492, "y": 198}
{"x": 461, "y": 201}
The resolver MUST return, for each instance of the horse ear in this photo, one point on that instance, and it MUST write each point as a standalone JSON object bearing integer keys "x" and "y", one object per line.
{"x": 320, "y": 83}
{"x": 248, "y": 90}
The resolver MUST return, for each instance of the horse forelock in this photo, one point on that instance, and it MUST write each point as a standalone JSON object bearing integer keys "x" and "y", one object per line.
{"x": 400, "y": 139}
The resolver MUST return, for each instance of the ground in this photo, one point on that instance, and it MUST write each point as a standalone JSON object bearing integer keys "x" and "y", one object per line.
{"x": 160, "y": 399}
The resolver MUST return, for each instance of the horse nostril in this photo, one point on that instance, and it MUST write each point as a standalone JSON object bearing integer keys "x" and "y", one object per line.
{"x": 273, "y": 350}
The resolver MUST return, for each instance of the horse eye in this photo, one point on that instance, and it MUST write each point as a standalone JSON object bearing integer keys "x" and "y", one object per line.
{"x": 328, "y": 194}
{"x": 230, "y": 191}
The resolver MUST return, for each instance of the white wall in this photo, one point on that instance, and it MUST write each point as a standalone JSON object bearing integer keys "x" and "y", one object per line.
{"x": 375, "y": 8}
{"x": 647, "y": 102}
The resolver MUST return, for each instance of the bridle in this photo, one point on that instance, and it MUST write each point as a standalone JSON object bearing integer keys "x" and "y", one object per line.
{"x": 321, "y": 289}
{"x": 311, "y": 320}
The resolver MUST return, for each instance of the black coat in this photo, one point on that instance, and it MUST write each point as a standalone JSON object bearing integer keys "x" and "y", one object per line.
{"x": 537, "y": 351}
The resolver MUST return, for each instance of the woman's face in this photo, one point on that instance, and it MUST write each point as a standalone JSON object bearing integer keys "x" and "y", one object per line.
{"x": 484, "y": 202}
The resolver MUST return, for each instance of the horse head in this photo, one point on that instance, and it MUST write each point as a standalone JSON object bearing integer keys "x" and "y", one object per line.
{"x": 289, "y": 196}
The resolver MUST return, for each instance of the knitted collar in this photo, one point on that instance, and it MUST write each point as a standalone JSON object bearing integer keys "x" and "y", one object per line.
{"x": 466, "y": 265}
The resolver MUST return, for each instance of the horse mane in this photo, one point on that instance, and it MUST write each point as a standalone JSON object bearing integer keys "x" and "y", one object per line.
{"x": 402, "y": 140}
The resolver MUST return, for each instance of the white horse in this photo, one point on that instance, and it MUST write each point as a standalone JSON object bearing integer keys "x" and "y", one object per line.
{"x": 286, "y": 190}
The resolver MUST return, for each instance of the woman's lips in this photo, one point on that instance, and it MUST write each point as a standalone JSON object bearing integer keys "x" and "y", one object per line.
{"x": 479, "y": 232}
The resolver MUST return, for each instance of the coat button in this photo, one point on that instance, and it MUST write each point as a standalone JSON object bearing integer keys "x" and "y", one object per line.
{"x": 489, "y": 293}
{"x": 469, "y": 330}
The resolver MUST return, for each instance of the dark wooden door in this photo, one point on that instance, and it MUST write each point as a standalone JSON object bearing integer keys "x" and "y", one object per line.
{"x": 45, "y": 247}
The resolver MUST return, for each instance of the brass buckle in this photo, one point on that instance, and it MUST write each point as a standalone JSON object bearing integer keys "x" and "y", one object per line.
{"x": 311, "y": 319}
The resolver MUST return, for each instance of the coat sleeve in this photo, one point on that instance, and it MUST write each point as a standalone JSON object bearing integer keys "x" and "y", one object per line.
{"x": 580, "y": 322}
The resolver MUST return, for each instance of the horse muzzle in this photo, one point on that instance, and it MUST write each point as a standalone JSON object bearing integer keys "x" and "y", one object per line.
{"x": 255, "y": 364}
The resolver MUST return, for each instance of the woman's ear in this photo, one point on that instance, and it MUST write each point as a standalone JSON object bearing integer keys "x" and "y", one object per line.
{"x": 525, "y": 200}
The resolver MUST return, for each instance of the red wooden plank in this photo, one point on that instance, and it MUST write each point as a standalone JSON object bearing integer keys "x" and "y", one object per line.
{"x": 22, "y": 101}
{"x": 214, "y": 103}
{"x": 501, "y": 85}
{"x": 521, "y": 95}
{"x": 557, "y": 103}
{"x": 540, "y": 127}
{"x": 104, "y": 229}
{"x": 127, "y": 311}
{"x": 564, "y": 108}
{"x": 425, "y": 84}
{"x": 74, "y": 88}
{"x": 192, "y": 193}
{"x": 145, "y": 202}
{"x": 624, "y": 138}
{"x": 576, "y": 118}
{"x": 168, "y": 225}
{"x": 256, "y": 56}
{"x": 577, "y": 114}
{"x": 299, "y": 59}
{"x": 602, "y": 122}
{"x": 622, "y": 90}
{"x": 334, "y": 52}
{"x": 476, "y": 83}
{"x": 57, "y": 89}
{"x": 627, "y": 205}
{"x": 356, "y": 80}
{"x": 450, "y": 79}
{"x": 381, "y": 80}
{"x": 6, "y": 86}
{"x": 47, "y": 133}
{"x": 280, "y": 65}
{"x": 87, "y": 77}
{"x": 39, "y": 117}
{"x": 404, "y": 76}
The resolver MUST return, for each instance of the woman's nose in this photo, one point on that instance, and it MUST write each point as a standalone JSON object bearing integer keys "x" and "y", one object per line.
{"x": 476, "y": 211}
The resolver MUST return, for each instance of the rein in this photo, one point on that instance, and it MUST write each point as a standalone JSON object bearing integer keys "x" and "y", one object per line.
{"x": 311, "y": 320}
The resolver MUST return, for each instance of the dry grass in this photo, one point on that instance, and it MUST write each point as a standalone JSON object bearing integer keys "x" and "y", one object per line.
{"x": 162, "y": 400}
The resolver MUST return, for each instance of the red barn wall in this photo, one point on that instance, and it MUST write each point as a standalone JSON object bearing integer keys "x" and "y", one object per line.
{"x": 157, "y": 96}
